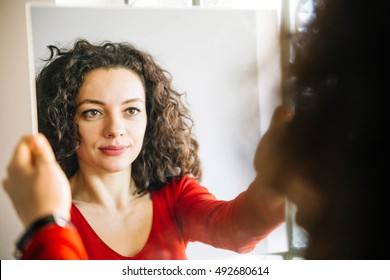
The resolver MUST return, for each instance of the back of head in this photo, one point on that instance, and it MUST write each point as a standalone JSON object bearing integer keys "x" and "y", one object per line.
{"x": 337, "y": 138}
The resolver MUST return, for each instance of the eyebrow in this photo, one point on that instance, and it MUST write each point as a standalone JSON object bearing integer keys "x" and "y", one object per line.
{"x": 93, "y": 101}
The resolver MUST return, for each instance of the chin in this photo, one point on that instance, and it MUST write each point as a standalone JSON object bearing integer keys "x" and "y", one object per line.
{"x": 115, "y": 168}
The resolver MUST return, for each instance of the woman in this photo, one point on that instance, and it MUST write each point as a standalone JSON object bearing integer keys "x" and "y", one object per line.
{"x": 123, "y": 137}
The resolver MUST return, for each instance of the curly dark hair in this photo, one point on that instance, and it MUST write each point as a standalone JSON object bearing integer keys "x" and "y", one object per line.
{"x": 169, "y": 149}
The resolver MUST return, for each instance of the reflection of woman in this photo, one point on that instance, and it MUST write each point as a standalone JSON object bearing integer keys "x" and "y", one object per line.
{"x": 123, "y": 137}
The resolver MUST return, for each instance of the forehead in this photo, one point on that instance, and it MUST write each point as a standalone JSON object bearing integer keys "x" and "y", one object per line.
{"x": 111, "y": 82}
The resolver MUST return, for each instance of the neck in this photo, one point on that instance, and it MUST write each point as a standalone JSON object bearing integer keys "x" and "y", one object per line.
{"x": 108, "y": 190}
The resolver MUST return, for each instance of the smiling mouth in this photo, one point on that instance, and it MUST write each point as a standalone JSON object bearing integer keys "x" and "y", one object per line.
{"x": 113, "y": 150}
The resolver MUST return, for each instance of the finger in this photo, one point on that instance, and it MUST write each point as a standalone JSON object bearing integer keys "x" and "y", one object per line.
{"x": 6, "y": 184}
{"x": 22, "y": 156}
{"x": 41, "y": 149}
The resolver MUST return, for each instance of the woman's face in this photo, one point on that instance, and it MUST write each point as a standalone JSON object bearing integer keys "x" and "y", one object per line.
{"x": 111, "y": 119}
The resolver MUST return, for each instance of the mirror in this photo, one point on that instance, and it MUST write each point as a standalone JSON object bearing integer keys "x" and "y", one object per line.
{"x": 226, "y": 61}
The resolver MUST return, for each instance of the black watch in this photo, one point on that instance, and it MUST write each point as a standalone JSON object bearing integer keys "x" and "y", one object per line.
{"x": 34, "y": 228}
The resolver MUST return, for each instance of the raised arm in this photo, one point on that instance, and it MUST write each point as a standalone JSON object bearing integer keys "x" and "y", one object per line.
{"x": 40, "y": 193}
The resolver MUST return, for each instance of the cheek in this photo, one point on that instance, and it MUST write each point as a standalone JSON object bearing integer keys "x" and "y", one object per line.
{"x": 138, "y": 131}
{"x": 85, "y": 129}
{"x": 87, "y": 133}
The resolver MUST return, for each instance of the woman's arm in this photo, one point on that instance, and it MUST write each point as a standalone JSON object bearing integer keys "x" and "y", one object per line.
{"x": 241, "y": 223}
{"x": 39, "y": 189}
{"x": 55, "y": 242}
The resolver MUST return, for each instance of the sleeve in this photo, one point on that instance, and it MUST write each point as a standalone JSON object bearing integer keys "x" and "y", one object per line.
{"x": 237, "y": 225}
{"x": 55, "y": 243}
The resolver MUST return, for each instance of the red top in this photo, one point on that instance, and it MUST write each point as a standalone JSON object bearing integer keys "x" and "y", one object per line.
{"x": 55, "y": 243}
{"x": 184, "y": 211}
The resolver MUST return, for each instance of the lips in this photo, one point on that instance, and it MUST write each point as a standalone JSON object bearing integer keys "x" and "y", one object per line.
{"x": 113, "y": 150}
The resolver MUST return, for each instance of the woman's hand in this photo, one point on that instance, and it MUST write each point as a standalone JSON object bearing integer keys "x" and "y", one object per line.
{"x": 35, "y": 182}
{"x": 269, "y": 161}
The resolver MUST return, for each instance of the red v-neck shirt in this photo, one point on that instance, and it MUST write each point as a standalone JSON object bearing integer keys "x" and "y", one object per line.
{"x": 184, "y": 211}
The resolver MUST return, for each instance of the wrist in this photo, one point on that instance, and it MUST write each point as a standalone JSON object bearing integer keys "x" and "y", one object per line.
{"x": 269, "y": 201}
{"x": 35, "y": 227}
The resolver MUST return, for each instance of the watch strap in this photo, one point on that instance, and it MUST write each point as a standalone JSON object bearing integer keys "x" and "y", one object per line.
{"x": 35, "y": 227}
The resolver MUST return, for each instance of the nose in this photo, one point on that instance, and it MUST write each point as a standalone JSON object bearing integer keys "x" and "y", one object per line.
{"x": 114, "y": 128}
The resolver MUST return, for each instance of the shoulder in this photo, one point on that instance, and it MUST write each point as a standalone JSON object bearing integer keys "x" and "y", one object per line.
{"x": 178, "y": 184}
{"x": 183, "y": 186}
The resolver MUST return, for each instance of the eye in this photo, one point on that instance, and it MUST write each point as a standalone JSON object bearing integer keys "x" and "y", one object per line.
{"x": 132, "y": 111}
{"x": 91, "y": 114}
